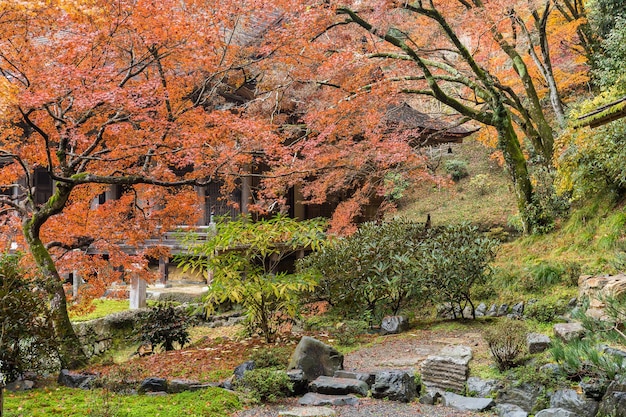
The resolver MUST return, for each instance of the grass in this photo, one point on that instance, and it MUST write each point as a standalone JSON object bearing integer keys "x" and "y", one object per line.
{"x": 69, "y": 402}
{"x": 483, "y": 197}
{"x": 103, "y": 307}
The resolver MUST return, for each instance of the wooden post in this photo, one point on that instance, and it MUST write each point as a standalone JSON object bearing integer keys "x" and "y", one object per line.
{"x": 163, "y": 270}
{"x": 137, "y": 293}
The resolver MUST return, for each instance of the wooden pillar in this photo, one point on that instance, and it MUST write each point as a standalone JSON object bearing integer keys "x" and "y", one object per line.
{"x": 137, "y": 292}
{"x": 245, "y": 194}
{"x": 163, "y": 270}
{"x": 76, "y": 282}
{"x": 298, "y": 207}
{"x": 201, "y": 192}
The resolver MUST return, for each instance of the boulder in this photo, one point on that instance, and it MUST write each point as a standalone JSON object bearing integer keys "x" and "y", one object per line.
{"x": 614, "y": 401}
{"x": 338, "y": 386}
{"x": 394, "y": 325}
{"x": 594, "y": 389}
{"x": 153, "y": 385}
{"x": 569, "y": 331}
{"x": 315, "y": 358}
{"x": 493, "y": 311}
{"x": 481, "y": 310}
{"x": 481, "y": 387}
{"x": 597, "y": 287}
{"x": 299, "y": 381}
{"x": 20, "y": 385}
{"x": 502, "y": 310}
{"x": 316, "y": 399}
{"x": 308, "y": 412}
{"x": 450, "y": 399}
{"x": 75, "y": 380}
{"x": 395, "y": 385}
{"x": 366, "y": 377}
{"x": 518, "y": 309}
{"x": 524, "y": 396}
{"x": 555, "y": 412}
{"x": 243, "y": 368}
{"x": 180, "y": 385}
{"x": 445, "y": 373}
{"x": 537, "y": 342}
{"x": 510, "y": 410}
{"x": 569, "y": 399}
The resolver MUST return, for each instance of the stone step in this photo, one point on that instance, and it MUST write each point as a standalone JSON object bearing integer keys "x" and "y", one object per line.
{"x": 450, "y": 399}
{"x": 308, "y": 412}
{"x": 315, "y": 399}
{"x": 338, "y": 386}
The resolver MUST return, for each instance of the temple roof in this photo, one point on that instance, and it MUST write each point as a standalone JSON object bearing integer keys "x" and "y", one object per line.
{"x": 425, "y": 130}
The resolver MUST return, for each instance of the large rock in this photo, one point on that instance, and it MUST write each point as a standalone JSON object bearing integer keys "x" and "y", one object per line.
{"x": 510, "y": 410}
{"x": 613, "y": 403}
{"x": 569, "y": 331}
{"x": 481, "y": 387}
{"x": 316, "y": 399}
{"x": 569, "y": 399}
{"x": 524, "y": 396}
{"x": 598, "y": 287}
{"x": 394, "y": 325}
{"x": 450, "y": 399}
{"x": 338, "y": 386}
{"x": 447, "y": 371}
{"x": 395, "y": 385}
{"x": 153, "y": 385}
{"x": 75, "y": 380}
{"x": 555, "y": 412}
{"x": 366, "y": 377}
{"x": 243, "y": 368}
{"x": 315, "y": 358}
{"x": 299, "y": 381}
{"x": 20, "y": 385}
{"x": 537, "y": 342}
{"x": 180, "y": 385}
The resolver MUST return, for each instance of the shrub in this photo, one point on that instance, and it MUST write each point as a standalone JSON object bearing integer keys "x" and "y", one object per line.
{"x": 545, "y": 311}
{"x": 265, "y": 385}
{"x": 452, "y": 260}
{"x": 456, "y": 169}
{"x": 480, "y": 184}
{"x": 244, "y": 257}
{"x": 165, "y": 325}
{"x": 370, "y": 273}
{"x": 507, "y": 341}
{"x": 582, "y": 358}
{"x": 346, "y": 333}
{"x": 27, "y": 341}
{"x": 274, "y": 357}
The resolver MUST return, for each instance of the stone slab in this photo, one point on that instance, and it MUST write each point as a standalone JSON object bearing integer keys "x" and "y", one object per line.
{"x": 308, "y": 412}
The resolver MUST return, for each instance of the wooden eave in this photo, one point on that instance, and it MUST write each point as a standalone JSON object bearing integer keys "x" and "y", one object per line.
{"x": 603, "y": 115}
{"x": 425, "y": 130}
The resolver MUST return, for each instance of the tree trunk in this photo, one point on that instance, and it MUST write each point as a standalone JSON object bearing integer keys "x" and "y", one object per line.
{"x": 508, "y": 143}
{"x": 71, "y": 351}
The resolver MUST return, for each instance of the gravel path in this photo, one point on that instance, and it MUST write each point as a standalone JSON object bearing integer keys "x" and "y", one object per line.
{"x": 404, "y": 352}
{"x": 368, "y": 407}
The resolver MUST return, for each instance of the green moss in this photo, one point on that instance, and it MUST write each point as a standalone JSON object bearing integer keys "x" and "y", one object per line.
{"x": 68, "y": 402}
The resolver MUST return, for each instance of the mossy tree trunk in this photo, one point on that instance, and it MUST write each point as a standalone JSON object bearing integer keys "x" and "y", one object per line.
{"x": 71, "y": 353}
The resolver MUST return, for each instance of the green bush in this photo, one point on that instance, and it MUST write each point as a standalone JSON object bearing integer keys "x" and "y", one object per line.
{"x": 346, "y": 333}
{"x": 265, "y": 385}
{"x": 163, "y": 325}
{"x": 545, "y": 311}
{"x": 27, "y": 341}
{"x": 370, "y": 273}
{"x": 507, "y": 341}
{"x": 384, "y": 266}
{"x": 244, "y": 257}
{"x": 582, "y": 358}
{"x": 271, "y": 357}
{"x": 456, "y": 169}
